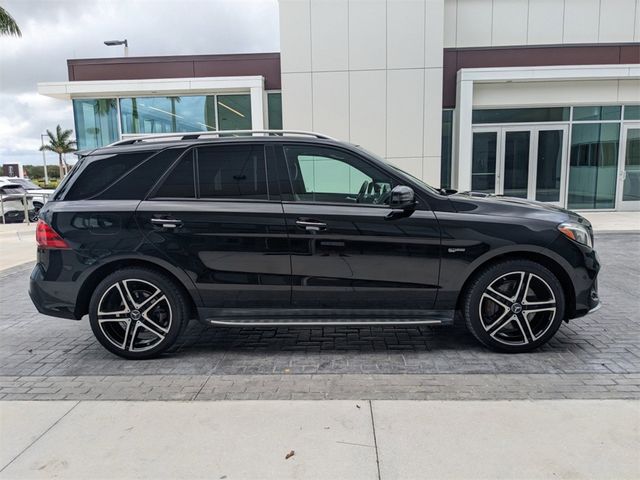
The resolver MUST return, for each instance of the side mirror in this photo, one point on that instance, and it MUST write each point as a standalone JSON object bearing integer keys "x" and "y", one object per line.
{"x": 402, "y": 198}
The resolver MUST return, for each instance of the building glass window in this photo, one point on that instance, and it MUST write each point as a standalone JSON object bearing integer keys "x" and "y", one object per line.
{"x": 593, "y": 165}
{"x": 234, "y": 112}
{"x": 521, "y": 115}
{"x": 447, "y": 144}
{"x": 96, "y": 122}
{"x": 274, "y": 111}
{"x": 581, "y": 114}
{"x": 632, "y": 112}
{"x": 167, "y": 114}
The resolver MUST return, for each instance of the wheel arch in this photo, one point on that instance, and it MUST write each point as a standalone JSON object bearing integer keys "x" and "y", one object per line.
{"x": 546, "y": 259}
{"x": 90, "y": 283}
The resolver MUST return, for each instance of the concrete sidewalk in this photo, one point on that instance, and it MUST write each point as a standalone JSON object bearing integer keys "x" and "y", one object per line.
{"x": 330, "y": 439}
{"x": 17, "y": 244}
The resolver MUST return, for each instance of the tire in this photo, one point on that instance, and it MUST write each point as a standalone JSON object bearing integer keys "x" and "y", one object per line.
{"x": 514, "y": 306}
{"x": 35, "y": 213}
{"x": 137, "y": 313}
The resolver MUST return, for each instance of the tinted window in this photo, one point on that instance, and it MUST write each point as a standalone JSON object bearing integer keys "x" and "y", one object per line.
{"x": 100, "y": 174}
{"x": 137, "y": 183}
{"x": 321, "y": 174}
{"x": 236, "y": 171}
{"x": 180, "y": 183}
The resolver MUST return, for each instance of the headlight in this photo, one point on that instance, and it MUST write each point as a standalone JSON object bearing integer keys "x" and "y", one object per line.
{"x": 577, "y": 233}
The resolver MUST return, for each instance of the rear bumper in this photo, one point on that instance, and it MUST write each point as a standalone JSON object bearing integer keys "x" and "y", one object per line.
{"x": 53, "y": 298}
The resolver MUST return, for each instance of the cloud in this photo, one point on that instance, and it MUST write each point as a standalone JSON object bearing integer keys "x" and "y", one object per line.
{"x": 55, "y": 30}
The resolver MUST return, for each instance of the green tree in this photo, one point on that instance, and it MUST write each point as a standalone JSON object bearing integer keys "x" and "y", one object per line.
{"x": 60, "y": 143}
{"x": 8, "y": 25}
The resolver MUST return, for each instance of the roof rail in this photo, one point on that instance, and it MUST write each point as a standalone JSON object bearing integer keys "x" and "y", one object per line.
{"x": 218, "y": 133}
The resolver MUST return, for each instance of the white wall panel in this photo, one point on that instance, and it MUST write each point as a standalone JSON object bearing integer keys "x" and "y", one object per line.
{"x": 546, "y": 19}
{"x": 414, "y": 166}
{"x": 474, "y": 23}
{"x": 331, "y": 103}
{"x": 510, "y": 22}
{"x": 405, "y": 34}
{"x": 434, "y": 33}
{"x": 405, "y": 102}
{"x": 581, "y": 18}
{"x": 367, "y": 94}
{"x": 617, "y": 20}
{"x": 295, "y": 39}
{"x": 296, "y": 101}
{"x": 450, "y": 20}
{"x": 629, "y": 91}
{"x": 594, "y": 92}
{"x": 636, "y": 34}
{"x": 329, "y": 35}
{"x": 431, "y": 171}
{"x": 367, "y": 38}
{"x": 433, "y": 112}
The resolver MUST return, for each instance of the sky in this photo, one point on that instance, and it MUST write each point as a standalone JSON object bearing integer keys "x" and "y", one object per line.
{"x": 56, "y": 30}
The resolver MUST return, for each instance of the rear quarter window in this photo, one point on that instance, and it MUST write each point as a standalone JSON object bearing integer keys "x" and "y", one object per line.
{"x": 100, "y": 174}
{"x": 136, "y": 184}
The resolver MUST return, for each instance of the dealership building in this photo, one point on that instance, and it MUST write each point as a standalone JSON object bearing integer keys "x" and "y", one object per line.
{"x": 537, "y": 99}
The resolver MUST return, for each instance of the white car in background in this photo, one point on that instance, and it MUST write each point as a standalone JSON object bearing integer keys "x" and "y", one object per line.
{"x": 12, "y": 204}
{"x": 39, "y": 195}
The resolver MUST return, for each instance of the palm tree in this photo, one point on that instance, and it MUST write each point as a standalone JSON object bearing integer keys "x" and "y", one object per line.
{"x": 60, "y": 144}
{"x": 8, "y": 25}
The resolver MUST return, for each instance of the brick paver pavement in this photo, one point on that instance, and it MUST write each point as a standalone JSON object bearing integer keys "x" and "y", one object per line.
{"x": 597, "y": 356}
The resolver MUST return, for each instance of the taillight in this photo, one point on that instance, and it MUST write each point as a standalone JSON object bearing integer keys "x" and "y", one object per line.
{"x": 47, "y": 237}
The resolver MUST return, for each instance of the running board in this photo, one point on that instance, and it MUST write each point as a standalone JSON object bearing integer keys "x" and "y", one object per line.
{"x": 319, "y": 317}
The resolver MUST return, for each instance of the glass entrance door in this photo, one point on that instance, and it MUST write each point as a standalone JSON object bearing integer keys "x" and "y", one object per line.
{"x": 526, "y": 161}
{"x": 629, "y": 173}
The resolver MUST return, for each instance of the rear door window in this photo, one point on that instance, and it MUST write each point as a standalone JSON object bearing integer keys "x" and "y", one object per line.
{"x": 232, "y": 171}
{"x": 180, "y": 182}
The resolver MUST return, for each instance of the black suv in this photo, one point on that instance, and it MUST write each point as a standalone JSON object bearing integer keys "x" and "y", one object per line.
{"x": 296, "y": 228}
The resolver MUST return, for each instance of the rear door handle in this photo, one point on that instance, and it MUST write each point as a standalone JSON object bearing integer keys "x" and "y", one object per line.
{"x": 167, "y": 222}
{"x": 311, "y": 225}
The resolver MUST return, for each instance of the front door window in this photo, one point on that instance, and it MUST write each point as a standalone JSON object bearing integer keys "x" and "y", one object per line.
{"x": 483, "y": 174}
{"x": 516, "y": 164}
{"x": 549, "y": 165}
{"x": 631, "y": 174}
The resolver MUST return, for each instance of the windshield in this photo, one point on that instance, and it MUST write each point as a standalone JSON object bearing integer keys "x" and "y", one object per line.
{"x": 12, "y": 190}
{"x": 28, "y": 184}
{"x": 401, "y": 172}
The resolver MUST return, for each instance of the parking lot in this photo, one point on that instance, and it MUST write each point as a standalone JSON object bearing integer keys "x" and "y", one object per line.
{"x": 597, "y": 356}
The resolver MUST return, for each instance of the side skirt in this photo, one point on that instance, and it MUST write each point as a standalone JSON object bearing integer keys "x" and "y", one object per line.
{"x": 307, "y": 317}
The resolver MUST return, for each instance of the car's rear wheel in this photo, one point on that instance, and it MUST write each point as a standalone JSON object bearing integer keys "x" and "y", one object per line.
{"x": 514, "y": 306}
{"x": 137, "y": 313}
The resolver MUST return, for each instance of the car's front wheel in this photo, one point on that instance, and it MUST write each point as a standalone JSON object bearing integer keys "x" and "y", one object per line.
{"x": 514, "y": 306}
{"x": 137, "y": 313}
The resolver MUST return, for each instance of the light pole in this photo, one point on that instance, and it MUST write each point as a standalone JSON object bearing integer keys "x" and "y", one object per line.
{"x": 44, "y": 161}
{"x": 113, "y": 43}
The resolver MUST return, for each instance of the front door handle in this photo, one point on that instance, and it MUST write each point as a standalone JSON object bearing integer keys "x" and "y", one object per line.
{"x": 311, "y": 225}
{"x": 167, "y": 222}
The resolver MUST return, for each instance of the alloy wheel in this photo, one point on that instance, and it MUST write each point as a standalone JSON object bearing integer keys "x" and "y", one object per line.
{"x": 134, "y": 315}
{"x": 517, "y": 308}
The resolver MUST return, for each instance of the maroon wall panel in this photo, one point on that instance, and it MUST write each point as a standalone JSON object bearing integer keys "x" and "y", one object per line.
{"x": 457, "y": 58}
{"x": 183, "y": 66}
